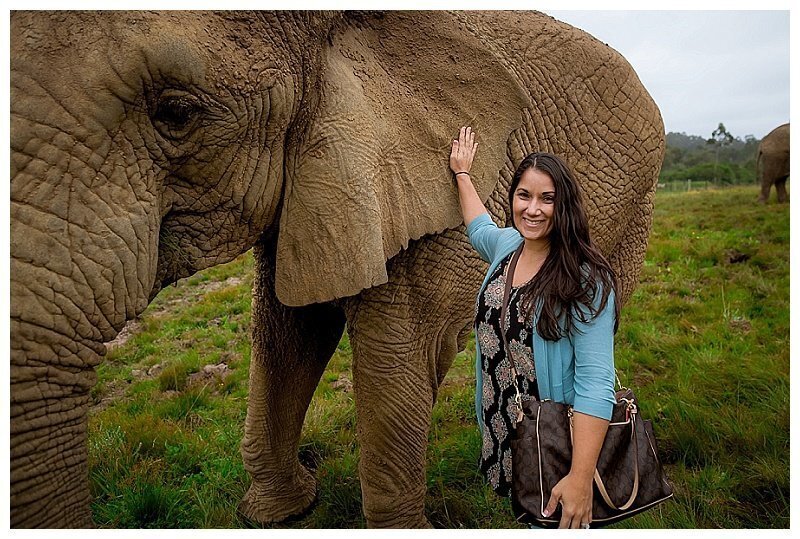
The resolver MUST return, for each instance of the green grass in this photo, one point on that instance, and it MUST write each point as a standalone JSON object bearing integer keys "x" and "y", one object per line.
{"x": 704, "y": 341}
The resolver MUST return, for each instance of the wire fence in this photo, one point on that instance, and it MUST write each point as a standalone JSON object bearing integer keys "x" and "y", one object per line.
{"x": 695, "y": 185}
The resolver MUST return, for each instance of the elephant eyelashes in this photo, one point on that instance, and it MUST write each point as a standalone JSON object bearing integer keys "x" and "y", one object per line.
{"x": 176, "y": 115}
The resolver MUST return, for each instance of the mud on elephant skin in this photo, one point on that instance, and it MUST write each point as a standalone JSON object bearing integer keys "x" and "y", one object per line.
{"x": 772, "y": 163}
{"x": 148, "y": 146}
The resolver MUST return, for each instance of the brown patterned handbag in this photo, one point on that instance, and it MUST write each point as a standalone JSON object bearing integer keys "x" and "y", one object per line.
{"x": 628, "y": 478}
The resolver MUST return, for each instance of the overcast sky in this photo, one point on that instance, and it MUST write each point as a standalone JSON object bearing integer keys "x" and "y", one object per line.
{"x": 703, "y": 67}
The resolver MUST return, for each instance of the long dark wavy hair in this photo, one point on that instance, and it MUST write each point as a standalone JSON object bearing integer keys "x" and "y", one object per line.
{"x": 574, "y": 270}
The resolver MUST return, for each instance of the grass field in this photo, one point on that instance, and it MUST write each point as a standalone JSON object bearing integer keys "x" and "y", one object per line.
{"x": 704, "y": 341}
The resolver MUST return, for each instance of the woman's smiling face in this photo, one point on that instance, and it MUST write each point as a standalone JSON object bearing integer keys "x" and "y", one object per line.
{"x": 534, "y": 202}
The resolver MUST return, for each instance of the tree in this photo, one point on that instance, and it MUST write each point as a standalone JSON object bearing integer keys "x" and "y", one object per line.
{"x": 719, "y": 138}
{"x": 687, "y": 152}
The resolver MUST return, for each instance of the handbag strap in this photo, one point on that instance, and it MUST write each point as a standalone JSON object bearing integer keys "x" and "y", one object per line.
{"x": 599, "y": 481}
{"x": 504, "y": 308}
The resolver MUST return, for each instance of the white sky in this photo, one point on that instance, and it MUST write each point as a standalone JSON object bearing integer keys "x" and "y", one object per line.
{"x": 703, "y": 67}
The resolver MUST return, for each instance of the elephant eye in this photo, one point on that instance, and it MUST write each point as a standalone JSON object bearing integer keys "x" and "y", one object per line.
{"x": 176, "y": 115}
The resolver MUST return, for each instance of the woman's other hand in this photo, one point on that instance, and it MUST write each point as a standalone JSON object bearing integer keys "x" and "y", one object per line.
{"x": 574, "y": 491}
{"x": 575, "y": 496}
{"x": 463, "y": 151}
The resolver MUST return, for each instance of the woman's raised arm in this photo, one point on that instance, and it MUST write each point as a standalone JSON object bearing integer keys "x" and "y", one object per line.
{"x": 461, "y": 155}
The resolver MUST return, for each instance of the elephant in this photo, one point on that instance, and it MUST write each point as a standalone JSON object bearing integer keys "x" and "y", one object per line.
{"x": 772, "y": 163}
{"x": 147, "y": 146}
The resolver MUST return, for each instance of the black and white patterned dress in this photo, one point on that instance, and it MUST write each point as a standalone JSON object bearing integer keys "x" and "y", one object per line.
{"x": 498, "y": 386}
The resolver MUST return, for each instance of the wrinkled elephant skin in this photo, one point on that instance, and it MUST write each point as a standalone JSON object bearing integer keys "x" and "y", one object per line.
{"x": 772, "y": 163}
{"x": 148, "y": 146}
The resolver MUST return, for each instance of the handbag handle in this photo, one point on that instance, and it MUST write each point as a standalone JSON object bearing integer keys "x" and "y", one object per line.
{"x": 599, "y": 481}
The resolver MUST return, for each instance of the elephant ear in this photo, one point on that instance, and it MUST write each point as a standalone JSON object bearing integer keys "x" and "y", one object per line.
{"x": 372, "y": 172}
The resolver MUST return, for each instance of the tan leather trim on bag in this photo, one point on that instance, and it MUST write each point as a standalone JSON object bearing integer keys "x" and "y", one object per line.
{"x": 619, "y": 423}
{"x": 635, "y": 511}
{"x": 538, "y": 444}
{"x": 599, "y": 481}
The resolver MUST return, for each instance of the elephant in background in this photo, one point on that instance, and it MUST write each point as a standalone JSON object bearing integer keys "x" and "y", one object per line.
{"x": 772, "y": 163}
{"x": 148, "y": 146}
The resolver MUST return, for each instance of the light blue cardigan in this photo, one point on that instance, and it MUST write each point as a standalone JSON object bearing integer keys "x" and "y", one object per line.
{"x": 577, "y": 370}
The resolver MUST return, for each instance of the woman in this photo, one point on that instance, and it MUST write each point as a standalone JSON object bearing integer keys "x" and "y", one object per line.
{"x": 560, "y": 320}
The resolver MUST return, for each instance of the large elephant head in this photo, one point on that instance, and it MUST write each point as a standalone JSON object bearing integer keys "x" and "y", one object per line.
{"x": 148, "y": 146}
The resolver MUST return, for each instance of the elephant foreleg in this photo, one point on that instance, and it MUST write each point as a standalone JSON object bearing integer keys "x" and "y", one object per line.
{"x": 763, "y": 196}
{"x": 394, "y": 399}
{"x": 780, "y": 188}
{"x": 291, "y": 347}
{"x": 405, "y": 335}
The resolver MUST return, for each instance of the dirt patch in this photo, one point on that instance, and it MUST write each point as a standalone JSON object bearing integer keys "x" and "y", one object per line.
{"x": 149, "y": 372}
{"x": 740, "y": 324}
{"x": 193, "y": 294}
{"x": 736, "y": 257}
{"x": 343, "y": 383}
{"x": 216, "y": 285}
{"x": 131, "y": 328}
{"x": 210, "y": 375}
{"x": 114, "y": 390}
{"x": 452, "y": 380}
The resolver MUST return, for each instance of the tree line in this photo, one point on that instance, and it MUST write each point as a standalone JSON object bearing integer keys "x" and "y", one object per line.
{"x": 721, "y": 159}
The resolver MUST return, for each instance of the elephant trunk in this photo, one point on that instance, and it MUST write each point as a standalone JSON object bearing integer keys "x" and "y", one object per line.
{"x": 66, "y": 301}
{"x": 50, "y": 387}
{"x": 73, "y": 286}
{"x": 84, "y": 246}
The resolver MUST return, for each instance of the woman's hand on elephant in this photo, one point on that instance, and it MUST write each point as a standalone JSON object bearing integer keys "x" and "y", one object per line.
{"x": 461, "y": 155}
{"x": 463, "y": 151}
{"x": 575, "y": 496}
